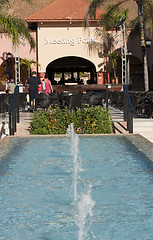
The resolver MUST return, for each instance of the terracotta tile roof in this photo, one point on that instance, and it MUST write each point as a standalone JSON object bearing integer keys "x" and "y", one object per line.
{"x": 62, "y": 10}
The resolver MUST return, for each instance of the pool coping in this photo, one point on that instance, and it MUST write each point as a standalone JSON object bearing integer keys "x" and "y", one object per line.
{"x": 80, "y": 135}
{"x": 140, "y": 142}
{"x": 65, "y": 135}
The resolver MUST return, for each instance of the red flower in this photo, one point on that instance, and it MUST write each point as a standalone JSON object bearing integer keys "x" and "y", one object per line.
{"x": 52, "y": 120}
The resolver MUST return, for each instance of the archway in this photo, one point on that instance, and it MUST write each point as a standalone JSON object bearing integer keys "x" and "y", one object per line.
{"x": 136, "y": 74}
{"x": 71, "y": 70}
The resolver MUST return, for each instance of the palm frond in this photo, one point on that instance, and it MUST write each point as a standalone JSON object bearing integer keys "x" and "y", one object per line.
{"x": 16, "y": 28}
{"x": 93, "y": 7}
{"x": 148, "y": 16}
{"x": 27, "y": 62}
{"x": 91, "y": 12}
{"x": 112, "y": 17}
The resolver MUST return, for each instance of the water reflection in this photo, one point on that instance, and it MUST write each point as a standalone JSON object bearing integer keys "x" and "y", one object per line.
{"x": 36, "y": 197}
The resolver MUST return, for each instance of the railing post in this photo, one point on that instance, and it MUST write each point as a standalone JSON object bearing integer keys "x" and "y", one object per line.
{"x": 125, "y": 104}
{"x": 10, "y": 123}
{"x": 15, "y": 120}
{"x": 128, "y": 110}
{"x": 13, "y": 123}
{"x": 107, "y": 96}
{"x": 130, "y": 121}
{"x": 14, "y": 116}
{"x": 17, "y": 105}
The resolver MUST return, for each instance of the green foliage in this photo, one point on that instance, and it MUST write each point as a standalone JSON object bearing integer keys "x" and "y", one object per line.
{"x": 114, "y": 57}
{"x": 147, "y": 20}
{"x": 143, "y": 22}
{"x": 84, "y": 74}
{"x": 148, "y": 16}
{"x": 112, "y": 17}
{"x": 86, "y": 120}
{"x": 28, "y": 63}
{"x": 13, "y": 26}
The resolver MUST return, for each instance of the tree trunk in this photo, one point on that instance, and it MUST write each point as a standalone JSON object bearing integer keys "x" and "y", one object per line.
{"x": 141, "y": 21}
{"x": 146, "y": 79}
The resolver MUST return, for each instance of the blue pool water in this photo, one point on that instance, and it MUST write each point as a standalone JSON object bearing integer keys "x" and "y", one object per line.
{"x": 36, "y": 190}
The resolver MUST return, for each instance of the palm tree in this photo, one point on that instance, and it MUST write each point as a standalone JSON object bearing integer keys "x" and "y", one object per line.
{"x": 114, "y": 57}
{"x": 28, "y": 63}
{"x": 144, "y": 23}
{"x": 14, "y": 27}
{"x": 112, "y": 17}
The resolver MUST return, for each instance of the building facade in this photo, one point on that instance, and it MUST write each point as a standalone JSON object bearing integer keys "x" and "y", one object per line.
{"x": 68, "y": 52}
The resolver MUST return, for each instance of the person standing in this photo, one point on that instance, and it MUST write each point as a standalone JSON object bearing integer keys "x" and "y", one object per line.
{"x": 33, "y": 83}
{"x": 20, "y": 87}
{"x": 41, "y": 87}
{"x": 11, "y": 86}
{"x": 48, "y": 86}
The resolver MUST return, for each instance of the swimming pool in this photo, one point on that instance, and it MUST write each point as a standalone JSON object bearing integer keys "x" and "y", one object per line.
{"x": 36, "y": 190}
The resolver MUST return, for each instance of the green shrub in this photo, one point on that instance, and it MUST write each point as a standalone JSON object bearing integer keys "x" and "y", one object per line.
{"x": 86, "y": 120}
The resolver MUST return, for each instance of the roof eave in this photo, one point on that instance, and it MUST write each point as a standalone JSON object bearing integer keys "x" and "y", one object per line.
{"x": 60, "y": 20}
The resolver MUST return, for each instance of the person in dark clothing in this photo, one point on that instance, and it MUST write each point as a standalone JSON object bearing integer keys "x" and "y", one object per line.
{"x": 33, "y": 83}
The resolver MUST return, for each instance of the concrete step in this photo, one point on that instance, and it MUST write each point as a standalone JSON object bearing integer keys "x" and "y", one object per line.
{"x": 120, "y": 127}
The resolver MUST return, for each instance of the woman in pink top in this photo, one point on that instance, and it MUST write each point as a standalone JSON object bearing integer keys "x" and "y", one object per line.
{"x": 40, "y": 88}
{"x": 48, "y": 86}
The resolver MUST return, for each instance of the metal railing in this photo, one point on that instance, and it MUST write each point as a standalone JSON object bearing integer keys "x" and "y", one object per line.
{"x": 122, "y": 101}
{"x": 14, "y": 116}
{"x": 128, "y": 109}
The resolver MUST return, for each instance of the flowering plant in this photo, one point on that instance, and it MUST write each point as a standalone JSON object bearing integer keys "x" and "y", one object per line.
{"x": 86, "y": 120}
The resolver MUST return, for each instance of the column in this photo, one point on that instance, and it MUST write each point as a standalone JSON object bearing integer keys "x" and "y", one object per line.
{"x": 100, "y": 79}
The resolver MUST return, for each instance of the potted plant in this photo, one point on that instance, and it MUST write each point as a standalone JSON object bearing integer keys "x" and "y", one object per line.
{"x": 114, "y": 57}
{"x": 28, "y": 63}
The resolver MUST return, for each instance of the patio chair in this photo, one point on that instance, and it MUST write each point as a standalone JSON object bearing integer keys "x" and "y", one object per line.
{"x": 44, "y": 100}
{"x": 71, "y": 99}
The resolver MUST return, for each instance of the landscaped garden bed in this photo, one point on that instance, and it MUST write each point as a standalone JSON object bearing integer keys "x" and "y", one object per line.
{"x": 86, "y": 120}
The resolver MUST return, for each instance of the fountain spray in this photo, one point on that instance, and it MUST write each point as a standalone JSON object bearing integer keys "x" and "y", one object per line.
{"x": 85, "y": 204}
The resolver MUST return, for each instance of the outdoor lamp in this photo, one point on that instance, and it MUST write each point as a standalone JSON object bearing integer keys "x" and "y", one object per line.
{"x": 9, "y": 55}
{"x": 148, "y": 42}
{"x": 129, "y": 53}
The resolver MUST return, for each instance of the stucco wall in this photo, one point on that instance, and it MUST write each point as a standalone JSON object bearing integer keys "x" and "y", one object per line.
{"x": 22, "y": 51}
{"x": 7, "y": 69}
{"x": 57, "y": 42}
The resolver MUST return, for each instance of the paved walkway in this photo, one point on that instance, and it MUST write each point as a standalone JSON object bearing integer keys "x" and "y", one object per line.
{"x": 22, "y": 127}
{"x": 142, "y": 126}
